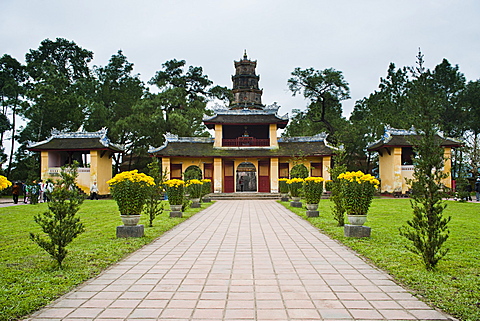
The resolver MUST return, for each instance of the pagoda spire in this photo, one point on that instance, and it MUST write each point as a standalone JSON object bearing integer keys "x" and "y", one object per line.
{"x": 246, "y": 91}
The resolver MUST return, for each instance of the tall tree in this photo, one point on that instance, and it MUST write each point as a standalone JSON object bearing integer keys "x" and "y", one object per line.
{"x": 325, "y": 89}
{"x": 470, "y": 101}
{"x": 116, "y": 92}
{"x": 183, "y": 97}
{"x": 448, "y": 83}
{"x": 427, "y": 230}
{"x": 12, "y": 90}
{"x": 57, "y": 70}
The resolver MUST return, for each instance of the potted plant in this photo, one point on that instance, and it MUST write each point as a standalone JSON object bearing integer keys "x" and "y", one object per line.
{"x": 282, "y": 184}
{"x": 128, "y": 189}
{"x": 295, "y": 188}
{"x": 206, "y": 189}
{"x": 312, "y": 190}
{"x": 175, "y": 189}
{"x": 194, "y": 189}
{"x": 358, "y": 190}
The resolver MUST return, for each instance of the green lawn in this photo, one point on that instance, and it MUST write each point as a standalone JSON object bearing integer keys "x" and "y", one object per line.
{"x": 453, "y": 287}
{"x": 29, "y": 278}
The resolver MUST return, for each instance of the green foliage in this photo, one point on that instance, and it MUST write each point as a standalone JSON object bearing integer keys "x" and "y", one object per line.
{"x": 194, "y": 188}
{"x": 192, "y": 172}
{"x": 336, "y": 196}
{"x": 154, "y": 205}
{"x": 452, "y": 287}
{"x": 129, "y": 189}
{"x": 58, "y": 70}
{"x": 427, "y": 230}
{"x": 358, "y": 190}
{"x": 206, "y": 187}
{"x": 282, "y": 184}
{"x": 325, "y": 89}
{"x": 313, "y": 189}
{"x": 299, "y": 171}
{"x": 60, "y": 223}
{"x": 295, "y": 187}
{"x": 175, "y": 189}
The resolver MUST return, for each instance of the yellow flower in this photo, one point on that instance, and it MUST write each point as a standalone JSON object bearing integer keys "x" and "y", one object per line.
{"x": 4, "y": 182}
{"x": 206, "y": 180}
{"x": 194, "y": 182}
{"x": 314, "y": 179}
{"x": 133, "y": 176}
{"x": 174, "y": 182}
{"x": 295, "y": 180}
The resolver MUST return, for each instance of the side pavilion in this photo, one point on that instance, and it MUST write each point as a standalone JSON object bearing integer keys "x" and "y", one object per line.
{"x": 92, "y": 150}
{"x": 396, "y": 159}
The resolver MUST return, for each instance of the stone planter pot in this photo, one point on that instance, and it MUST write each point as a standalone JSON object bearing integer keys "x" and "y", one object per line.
{"x": 195, "y": 203}
{"x": 176, "y": 208}
{"x": 296, "y": 198}
{"x": 130, "y": 220}
{"x": 284, "y": 197}
{"x": 357, "y": 220}
{"x": 312, "y": 207}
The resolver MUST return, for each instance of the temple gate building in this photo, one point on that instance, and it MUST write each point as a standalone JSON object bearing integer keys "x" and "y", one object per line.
{"x": 245, "y": 153}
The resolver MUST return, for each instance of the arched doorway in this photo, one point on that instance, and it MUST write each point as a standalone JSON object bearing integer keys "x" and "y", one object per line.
{"x": 192, "y": 172}
{"x": 246, "y": 177}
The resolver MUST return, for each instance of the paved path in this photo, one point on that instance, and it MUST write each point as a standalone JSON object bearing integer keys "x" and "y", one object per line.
{"x": 241, "y": 260}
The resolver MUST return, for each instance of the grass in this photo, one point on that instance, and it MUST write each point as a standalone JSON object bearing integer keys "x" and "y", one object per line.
{"x": 29, "y": 278}
{"x": 454, "y": 286}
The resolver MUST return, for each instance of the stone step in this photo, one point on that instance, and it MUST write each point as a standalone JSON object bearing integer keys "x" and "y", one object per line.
{"x": 244, "y": 196}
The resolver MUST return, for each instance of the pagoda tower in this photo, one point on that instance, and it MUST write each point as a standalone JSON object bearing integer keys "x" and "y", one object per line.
{"x": 246, "y": 93}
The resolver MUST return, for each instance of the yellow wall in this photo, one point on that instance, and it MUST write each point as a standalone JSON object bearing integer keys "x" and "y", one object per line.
{"x": 218, "y": 136}
{"x": 217, "y": 175}
{"x": 447, "y": 167}
{"x": 44, "y": 165}
{"x": 100, "y": 171}
{"x": 166, "y": 166}
{"x": 393, "y": 178}
{"x": 273, "y": 136}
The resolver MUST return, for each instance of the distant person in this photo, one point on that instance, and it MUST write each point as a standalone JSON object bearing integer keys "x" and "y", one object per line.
{"x": 94, "y": 191}
{"x": 16, "y": 192}
{"x": 477, "y": 189}
{"x": 48, "y": 191}
{"x": 24, "y": 191}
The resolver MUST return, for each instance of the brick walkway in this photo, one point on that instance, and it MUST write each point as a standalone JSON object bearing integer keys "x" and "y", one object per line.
{"x": 241, "y": 260}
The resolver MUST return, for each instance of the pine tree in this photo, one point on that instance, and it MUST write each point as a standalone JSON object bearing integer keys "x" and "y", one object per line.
{"x": 428, "y": 228}
{"x": 60, "y": 222}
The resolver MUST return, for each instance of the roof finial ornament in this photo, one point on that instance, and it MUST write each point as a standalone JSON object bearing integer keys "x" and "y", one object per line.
{"x": 245, "y": 55}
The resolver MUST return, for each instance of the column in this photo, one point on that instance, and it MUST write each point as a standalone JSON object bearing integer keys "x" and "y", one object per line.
{"x": 447, "y": 167}
{"x": 217, "y": 175}
{"x": 273, "y": 175}
{"x": 166, "y": 166}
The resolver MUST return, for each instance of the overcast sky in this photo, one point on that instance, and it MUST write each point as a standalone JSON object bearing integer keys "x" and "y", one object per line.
{"x": 358, "y": 37}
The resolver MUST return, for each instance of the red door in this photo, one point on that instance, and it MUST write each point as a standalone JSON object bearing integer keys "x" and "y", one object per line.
{"x": 228, "y": 177}
{"x": 264, "y": 176}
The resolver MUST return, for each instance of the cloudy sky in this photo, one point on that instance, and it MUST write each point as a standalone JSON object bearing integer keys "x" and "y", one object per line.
{"x": 358, "y": 37}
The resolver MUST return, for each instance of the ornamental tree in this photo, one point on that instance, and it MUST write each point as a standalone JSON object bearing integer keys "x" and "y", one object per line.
{"x": 60, "y": 222}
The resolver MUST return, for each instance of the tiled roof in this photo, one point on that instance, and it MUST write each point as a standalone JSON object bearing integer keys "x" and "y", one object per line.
{"x": 404, "y": 138}
{"x": 76, "y": 141}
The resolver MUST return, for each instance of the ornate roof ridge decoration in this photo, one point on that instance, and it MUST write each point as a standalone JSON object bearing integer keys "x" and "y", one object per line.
{"x": 390, "y": 132}
{"x": 172, "y": 138}
{"x": 304, "y": 139}
{"x": 268, "y": 110}
{"x": 64, "y": 133}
